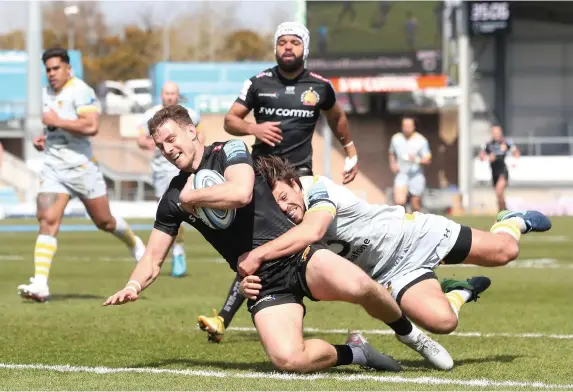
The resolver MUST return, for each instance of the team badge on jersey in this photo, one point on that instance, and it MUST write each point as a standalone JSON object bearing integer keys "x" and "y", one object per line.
{"x": 310, "y": 97}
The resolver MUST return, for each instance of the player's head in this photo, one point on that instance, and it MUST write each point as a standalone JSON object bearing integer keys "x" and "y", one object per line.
{"x": 58, "y": 69}
{"x": 169, "y": 94}
{"x": 284, "y": 181}
{"x": 496, "y": 132}
{"x": 175, "y": 135}
{"x": 292, "y": 43}
{"x": 408, "y": 126}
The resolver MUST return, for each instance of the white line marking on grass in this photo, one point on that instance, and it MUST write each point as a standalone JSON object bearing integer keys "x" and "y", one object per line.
{"x": 291, "y": 377}
{"x": 545, "y": 238}
{"x": 528, "y": 335}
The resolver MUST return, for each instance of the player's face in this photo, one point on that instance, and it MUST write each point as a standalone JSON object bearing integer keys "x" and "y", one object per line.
{"x": 496, "y": 133}
{"x": 290, "y": 200}
{"x": 290, "y": 52}
{"x": 408, "y": 127}
{"x": 170, "y": 95}
{"x": 58, "y": 72}
{"x": 176, "y": 143}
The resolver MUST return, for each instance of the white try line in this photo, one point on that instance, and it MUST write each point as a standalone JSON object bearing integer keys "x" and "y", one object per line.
{"x": 527, "y": 335}
{"x": 291, "y": 377}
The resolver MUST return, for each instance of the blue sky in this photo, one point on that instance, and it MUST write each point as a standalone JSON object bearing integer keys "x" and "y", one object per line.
{"x": 257, "y": 15}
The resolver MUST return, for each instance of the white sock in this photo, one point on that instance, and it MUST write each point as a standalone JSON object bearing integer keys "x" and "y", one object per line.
{"x": 121, "y": 226}
{"x": 178, "y": 249}
{"x": 123, "y": 232}
{"x": 520, "y": 222}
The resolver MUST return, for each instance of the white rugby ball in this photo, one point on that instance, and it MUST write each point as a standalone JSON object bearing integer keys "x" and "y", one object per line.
{"x": 215, "y": 219}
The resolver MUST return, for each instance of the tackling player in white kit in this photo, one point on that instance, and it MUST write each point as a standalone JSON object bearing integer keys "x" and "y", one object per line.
{"x": 70, "y": 115}
{"x": 397, "y": 249}
{"x": 163, "y": 171}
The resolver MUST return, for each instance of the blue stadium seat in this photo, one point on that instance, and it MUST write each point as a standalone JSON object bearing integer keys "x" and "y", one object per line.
{"x": 8, "y": 196}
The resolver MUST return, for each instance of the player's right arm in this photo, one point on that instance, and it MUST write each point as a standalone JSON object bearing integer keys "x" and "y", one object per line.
{"x": 236, "y": 125}
{"x": 165, "y": 229}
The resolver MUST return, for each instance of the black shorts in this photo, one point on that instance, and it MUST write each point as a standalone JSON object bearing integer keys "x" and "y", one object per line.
{"x": 496, "y": 174}
{"x": 461, "y": 249}
{"x": 283, "y": 281}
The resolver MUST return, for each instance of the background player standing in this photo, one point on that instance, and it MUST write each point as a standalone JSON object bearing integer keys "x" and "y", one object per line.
{"x": 495, "y": 151}
{"x": 162, "y": 170}
{"x": 409, "y": 153}
{"x": 286, "y": 101}
{"x": 71, "y": 114}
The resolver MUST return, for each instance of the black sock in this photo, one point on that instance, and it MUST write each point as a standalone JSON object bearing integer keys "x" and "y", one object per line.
{"x": 344, "y": 354}
{"x": 402, "y": 326}
{"x": 232, "y": 303}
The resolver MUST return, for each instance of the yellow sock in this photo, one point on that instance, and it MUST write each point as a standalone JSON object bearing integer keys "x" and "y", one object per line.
{"x": 44, "y": 252}
{"x": 508, "y": 226}
{"x": 123, "y": 232}
{"x": 457, "y": 300}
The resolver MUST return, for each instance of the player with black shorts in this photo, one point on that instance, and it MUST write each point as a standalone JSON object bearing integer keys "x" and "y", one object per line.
{"x": 495, "y": 151}
{"x": 286, "y": 101}
{"x": 315, "y": 273}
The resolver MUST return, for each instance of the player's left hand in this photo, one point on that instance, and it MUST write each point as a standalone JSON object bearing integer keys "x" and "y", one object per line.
{"x": 122, "y": 297}
{"x": 249, "y": 263}
{"x": 50, "y": 118}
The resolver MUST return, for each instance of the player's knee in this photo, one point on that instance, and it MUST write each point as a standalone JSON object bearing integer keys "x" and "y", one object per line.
{"x": 443, "y": 323}
{"x": 48, "y": 219}
{"x": 509, "y": 251}
{"x": 106, "y": 224}
{"x": 288, "y": 362}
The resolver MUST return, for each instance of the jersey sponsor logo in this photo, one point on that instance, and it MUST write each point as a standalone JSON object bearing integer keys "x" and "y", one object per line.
{"x": 268, "y": 74}
{"x": 310, "y": 97}
{"x": 344, "y": 249}
{"x": 245, "y": 90}
{"x": 289, "y": 90}
{"x": 235, "y": 149}
{"x": 286, "y": 112}
{"x": 270, "y": 95}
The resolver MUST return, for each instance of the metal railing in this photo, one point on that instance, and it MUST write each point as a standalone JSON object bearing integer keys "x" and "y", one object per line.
{"x": 123, "y": 162}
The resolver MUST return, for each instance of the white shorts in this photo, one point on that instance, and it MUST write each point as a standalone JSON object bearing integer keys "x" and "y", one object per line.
{"x": 416, "y": 183}
{"x": 431, "y": 238}
{"x": 85, "y": 181}
{"x": 161, "y": 180}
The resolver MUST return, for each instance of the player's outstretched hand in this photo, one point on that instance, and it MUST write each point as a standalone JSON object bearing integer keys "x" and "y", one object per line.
{"x": 122, "y": 297}
{"x": 250, "y": 287}
{"x": 268, "y": 132}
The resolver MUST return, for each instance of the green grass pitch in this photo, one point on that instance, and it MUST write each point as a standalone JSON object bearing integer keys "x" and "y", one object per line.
{"x": 154, "y": 344}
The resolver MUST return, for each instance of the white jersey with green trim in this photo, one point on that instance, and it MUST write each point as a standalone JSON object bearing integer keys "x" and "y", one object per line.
{"x": 65, "y": 149}
{"x": 374, "y": 237}
{"x": 159, "y": 163}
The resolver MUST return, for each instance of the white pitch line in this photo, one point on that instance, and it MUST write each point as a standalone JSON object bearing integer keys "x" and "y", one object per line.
{"x": 291, "y": 377}
{"x": 527, "y": 335}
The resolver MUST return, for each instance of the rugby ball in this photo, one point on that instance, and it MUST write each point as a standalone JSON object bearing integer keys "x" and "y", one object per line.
{"x": 215, "y": 219}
